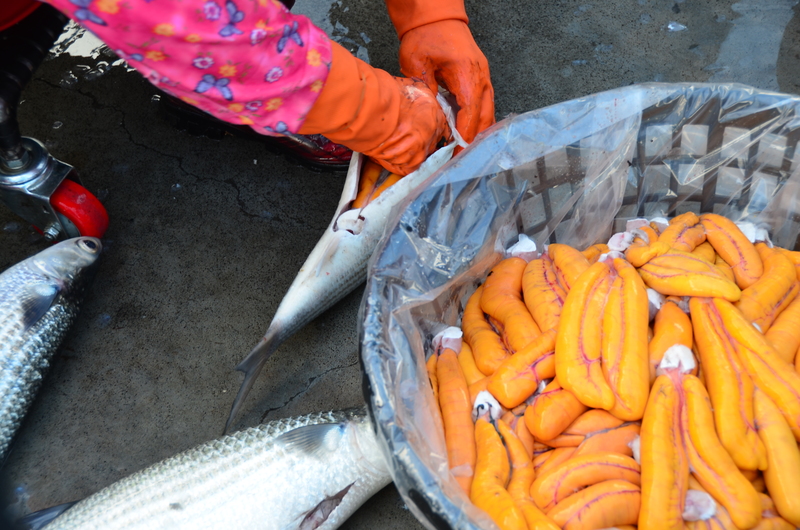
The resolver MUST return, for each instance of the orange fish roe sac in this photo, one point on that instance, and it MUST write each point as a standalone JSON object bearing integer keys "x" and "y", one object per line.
{"x": 683, "y": 414}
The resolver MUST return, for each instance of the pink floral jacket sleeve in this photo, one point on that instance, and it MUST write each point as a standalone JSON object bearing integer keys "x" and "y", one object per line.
{"x": 246, "y": 62}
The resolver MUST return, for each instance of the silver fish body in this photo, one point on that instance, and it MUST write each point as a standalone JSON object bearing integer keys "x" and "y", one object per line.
{"x": 336, "y": 265}
{"x": 301, "y": 473}
{"x": 39, "y": 300}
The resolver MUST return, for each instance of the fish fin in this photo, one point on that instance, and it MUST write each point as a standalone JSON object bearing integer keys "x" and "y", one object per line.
{"x": 317, "y": 516}
{"x": 37, "y": 300}
{"x": 40, "y": 519}
{"x": 251, "y": 366}
{"x": 333, "y": 244}
{"x": 310, "y": 439}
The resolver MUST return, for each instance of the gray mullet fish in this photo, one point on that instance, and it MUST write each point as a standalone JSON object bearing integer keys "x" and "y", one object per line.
{"x": 39, "y": 300}
{"x": 304, "y": 473}
{"x": 336, "y": 265}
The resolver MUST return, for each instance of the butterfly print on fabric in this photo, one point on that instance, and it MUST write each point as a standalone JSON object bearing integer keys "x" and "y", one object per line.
{"x": 129, "y": 57}
{"x": 83, "y": 12}
{"x": 234, "y": 17}
{"x": 209, "y": 81}
{"x": 280, "y": 128}
{"x": 289, "y": 32}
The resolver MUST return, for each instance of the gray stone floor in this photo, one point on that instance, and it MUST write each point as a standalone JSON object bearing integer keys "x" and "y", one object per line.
{"x": 206, "y": 235}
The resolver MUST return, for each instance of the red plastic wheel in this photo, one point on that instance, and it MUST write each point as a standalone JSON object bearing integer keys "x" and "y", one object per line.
{"x": 81, "y": 208}
{"x": 13, "y": 11}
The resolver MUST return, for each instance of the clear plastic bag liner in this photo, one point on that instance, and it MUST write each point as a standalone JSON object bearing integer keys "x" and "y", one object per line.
{"x": 571, "y": 173}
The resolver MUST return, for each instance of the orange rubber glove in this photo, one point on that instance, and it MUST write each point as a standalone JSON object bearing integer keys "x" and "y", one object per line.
{"x": 394, "y": 120}
{"x": 437, "y": 46}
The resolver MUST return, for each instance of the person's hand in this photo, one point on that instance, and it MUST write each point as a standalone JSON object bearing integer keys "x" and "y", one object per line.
{"x": 396, "y": 121}
{"x": 420, "y": 127}
{"x": 444, "y": 52}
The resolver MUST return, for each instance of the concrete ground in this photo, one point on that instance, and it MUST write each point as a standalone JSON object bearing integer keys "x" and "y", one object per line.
{"x": 206, "y": 235}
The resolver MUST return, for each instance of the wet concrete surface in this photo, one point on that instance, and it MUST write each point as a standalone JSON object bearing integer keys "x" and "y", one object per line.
{"x": 207, "y": 235}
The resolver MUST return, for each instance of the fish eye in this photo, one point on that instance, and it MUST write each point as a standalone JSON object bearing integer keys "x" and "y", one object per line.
{"x": 88, "y": 245}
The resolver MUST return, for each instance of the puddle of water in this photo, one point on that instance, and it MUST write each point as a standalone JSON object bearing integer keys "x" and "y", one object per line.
{"x": 319, "y": 13}
{"x": 760, "y": 26}
{"x": 675, "y": 26}
{"x": 68, "y": 80}
{"x": 93, "y": 72}
{"x": 77, "y": 42}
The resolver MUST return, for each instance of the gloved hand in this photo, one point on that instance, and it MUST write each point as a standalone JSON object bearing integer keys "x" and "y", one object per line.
{"x": 396, "y": 121}
{"x": 437, "y": 46}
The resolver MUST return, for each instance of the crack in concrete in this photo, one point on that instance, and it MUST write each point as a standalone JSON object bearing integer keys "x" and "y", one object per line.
{"x": 309, "y": 384}
{"x": 180, "y": 159}
{"x": 239, "y": 200}
{"x": 96, "y": 104}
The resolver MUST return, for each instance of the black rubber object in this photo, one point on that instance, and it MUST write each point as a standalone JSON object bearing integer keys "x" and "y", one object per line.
{"x": 23, "y": 47}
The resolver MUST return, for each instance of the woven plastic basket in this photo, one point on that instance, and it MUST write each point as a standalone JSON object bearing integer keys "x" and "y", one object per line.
{"x": 571, "y": 173}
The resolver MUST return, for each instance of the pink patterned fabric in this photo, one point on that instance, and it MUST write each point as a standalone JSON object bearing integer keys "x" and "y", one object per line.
{"x": 246, "y": 62}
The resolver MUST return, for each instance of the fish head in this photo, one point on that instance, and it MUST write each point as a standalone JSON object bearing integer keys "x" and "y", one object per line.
{"x": 69, "y": 262}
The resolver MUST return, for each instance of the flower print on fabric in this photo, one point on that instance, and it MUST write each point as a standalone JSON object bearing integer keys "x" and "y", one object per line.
{"x": 274, "y": 74}
{"x": 155, "y": 55}
{"x": 257, "y": 36}
{"x": 212, "y": 10}
{"x": 164, "y": 29}
{"x": 274, "y": 104}
{"x": 108, "y": 6}
{"x": 202, "y": 62}
{"x": 228, "y": 70}
{"x": 253, "y": 106}
{"x": 243, "y": 61}
{"x": 314, "y": 58}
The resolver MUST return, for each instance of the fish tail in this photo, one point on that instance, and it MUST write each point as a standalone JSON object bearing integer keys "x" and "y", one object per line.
{"x": 42, "y": 518}
{"x": 251, "y": 366}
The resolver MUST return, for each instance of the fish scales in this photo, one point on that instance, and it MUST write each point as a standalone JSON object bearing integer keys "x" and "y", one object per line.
{"x": 39, "y": 301}
{"x": 23, "y": 369}
{"x": 255, "y": 478}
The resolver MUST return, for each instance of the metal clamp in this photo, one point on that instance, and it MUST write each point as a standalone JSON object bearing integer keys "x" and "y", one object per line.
{"x": 26, "y": 190}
